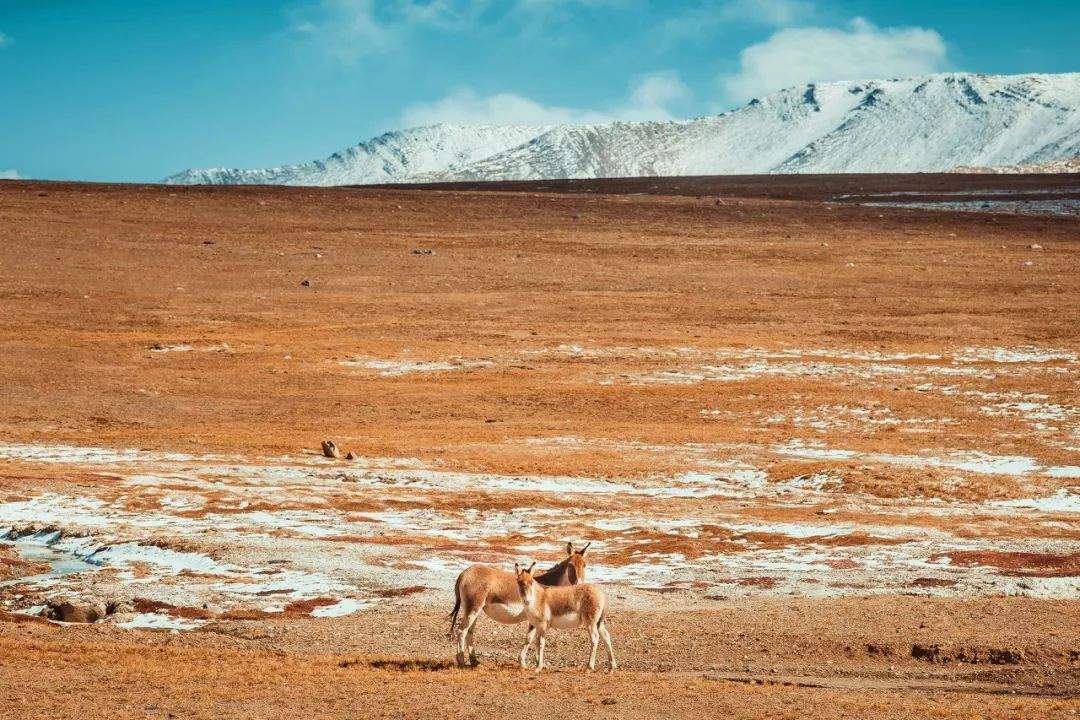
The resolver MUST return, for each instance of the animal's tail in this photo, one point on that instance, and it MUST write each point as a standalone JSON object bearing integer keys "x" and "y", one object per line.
{"x": 457, "y": 606}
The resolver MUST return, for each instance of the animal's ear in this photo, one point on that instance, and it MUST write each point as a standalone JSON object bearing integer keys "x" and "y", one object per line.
{"x": 531, "y": 567}
{"x": 569, "y": 548}
{"x": 582, "y": 551}
{"x": 517, "y": 569}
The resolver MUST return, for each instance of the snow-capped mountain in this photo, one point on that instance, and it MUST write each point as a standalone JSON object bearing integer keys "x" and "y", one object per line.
{"x": 920, "y": 124}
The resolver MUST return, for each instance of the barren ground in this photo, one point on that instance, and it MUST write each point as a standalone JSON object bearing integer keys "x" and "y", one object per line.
{"x": 828, "y": 454}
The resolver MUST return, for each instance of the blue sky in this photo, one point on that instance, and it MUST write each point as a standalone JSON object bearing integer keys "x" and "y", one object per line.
{"x": 133, "y": 91}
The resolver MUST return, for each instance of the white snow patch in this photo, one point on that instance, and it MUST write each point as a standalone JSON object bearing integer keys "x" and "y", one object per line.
{"x": 395, "y": 368}
{"x": 1025, "y": 354}
{"x": 157, "y": 621}
{"x": 1063, "y": 501}
{"x": 345, "y": 606}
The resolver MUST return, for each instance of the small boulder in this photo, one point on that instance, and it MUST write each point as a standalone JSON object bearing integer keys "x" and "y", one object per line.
{"x": 305, "y": 283}
{"x": 330, "y": 450}
{"x": 350, "y": 455}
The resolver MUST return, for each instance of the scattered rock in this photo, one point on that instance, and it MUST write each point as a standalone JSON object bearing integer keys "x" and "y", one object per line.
{"x": 1035, "y": 246}
{"x": 351, "y": 455}
{"x": 423, "y": 251}
{"x": 305, "y": 283}
{"x": 330, "y": 450}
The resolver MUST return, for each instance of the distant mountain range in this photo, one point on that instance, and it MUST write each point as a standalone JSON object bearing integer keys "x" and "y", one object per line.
{"x": 921, "y": 124}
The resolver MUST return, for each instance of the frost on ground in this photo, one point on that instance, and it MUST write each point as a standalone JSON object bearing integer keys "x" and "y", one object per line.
{"x": 395, "y": 368}
{"x": 267, "y": 536}
{"x": 818, "y": 499}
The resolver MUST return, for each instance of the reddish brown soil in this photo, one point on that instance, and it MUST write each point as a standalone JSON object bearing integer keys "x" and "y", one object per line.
{"x": 93, "y": 278}
{"x": 895, "y": 658}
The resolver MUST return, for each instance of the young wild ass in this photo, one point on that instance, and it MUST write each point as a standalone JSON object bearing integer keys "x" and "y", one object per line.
{"x": 495, "y": 592}
{"x": 564, "y": 608}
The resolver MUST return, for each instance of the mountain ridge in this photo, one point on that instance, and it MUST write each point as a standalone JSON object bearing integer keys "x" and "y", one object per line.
{"x": 917, "y": 124}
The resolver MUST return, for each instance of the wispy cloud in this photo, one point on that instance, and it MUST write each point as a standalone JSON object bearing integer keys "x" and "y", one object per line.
{"x": 347, "y": 29}
{"x": 650, "y": 98}
{"x": 465, "y": 107}
{"x": 5, "y": 40}
{"x": 352, "y": 29}
{"x": 705, "y": 18}
{"x": 796, "y": 56}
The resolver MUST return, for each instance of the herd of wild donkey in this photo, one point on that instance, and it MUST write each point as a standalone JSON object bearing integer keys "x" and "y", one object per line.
{"x": 557, "y": 598}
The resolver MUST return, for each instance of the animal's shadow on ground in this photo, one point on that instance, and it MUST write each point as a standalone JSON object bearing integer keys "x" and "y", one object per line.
{"x": 401, "y": 665}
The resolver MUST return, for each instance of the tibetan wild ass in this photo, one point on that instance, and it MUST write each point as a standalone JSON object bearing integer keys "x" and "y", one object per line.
{"x": 495, "y": 592}
{"x": 564, "y": 608}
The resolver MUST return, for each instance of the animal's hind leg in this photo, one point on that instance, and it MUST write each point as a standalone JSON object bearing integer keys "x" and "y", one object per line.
{"x": 470, "y": 642}
{"x": 464, "y": 632}
{"x": 607, "y": 642}
{"x": 530, "y": 637}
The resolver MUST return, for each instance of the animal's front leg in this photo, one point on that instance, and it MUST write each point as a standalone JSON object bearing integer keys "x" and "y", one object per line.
{"x": 530, "y": 637}
{"x": 540, "y": 651}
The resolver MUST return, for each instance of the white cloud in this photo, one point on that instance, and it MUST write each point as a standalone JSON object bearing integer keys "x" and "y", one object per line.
{"x": 797, "y": 56}
{"x": 9, "y": 175}
{"x": 652, "y": 96}
{"x": 706, "y": 17}
{"x": 465, "y": 107}
{"x": 350, "y": 29}
{"x": 649, "y": 99}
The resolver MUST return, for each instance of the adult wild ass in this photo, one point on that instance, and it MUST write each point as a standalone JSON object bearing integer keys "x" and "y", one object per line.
{"x": 495, "y": 591}
{"x": 564, "y": 608}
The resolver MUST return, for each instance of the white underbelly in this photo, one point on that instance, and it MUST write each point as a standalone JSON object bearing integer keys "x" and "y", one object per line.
{"x": 568, "y": 621}
{"x": 506, "y": 614}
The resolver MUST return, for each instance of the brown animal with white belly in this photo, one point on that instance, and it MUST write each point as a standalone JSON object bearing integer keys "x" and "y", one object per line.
{"x": 564, "y": 608}
{"x": 495, "y": 592}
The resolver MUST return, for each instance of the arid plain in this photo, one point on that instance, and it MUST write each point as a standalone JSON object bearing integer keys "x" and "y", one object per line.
{"x": 827, "y": 453}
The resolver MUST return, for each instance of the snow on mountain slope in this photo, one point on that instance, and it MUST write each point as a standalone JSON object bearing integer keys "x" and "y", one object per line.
{"x": 387, "y": 158}
{"x": 922, "y": 124}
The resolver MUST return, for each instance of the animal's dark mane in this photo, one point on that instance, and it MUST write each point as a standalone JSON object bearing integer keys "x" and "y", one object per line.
{"x": 561, "y": 573}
